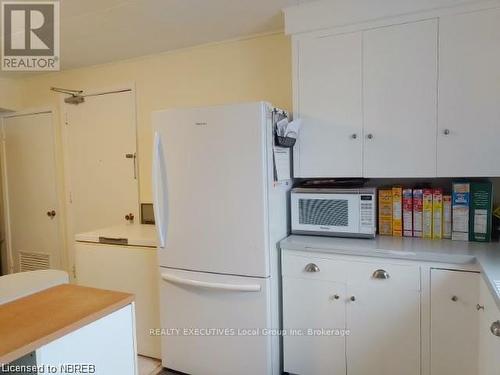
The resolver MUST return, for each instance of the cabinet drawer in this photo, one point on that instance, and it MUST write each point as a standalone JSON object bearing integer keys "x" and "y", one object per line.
{"x": 400, "y": 276}
{"x": 327, "y": 269}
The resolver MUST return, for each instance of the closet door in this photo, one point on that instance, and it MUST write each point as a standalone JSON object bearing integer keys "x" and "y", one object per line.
{"x": 469, "y": 88}
{"x": 327, "y": 89}
{"x": 400, "y": 100}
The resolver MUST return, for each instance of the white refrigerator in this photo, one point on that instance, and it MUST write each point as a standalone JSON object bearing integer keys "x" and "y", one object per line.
{"x": 219, "y": 217}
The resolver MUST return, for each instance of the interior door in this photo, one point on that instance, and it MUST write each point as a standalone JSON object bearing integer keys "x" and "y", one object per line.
{"x": 329, "y": 103}
{"x": 101, "y": 161}
{"x": 454, "y": 322}
{"x": 400, "y": 100}
{"x": 313, "y": 306}
{"x": 211, "y": 166}
{"x": 469, "y": 76}
{"x": 30, "y": 189}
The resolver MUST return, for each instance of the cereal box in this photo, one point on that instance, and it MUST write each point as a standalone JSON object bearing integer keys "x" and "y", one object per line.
{"x": 397, "y": 211}
{"x": 408, "y": 212}
{"x": 460, "y": 211}
{"x": 437, "y": 214}
{"x": 480, "y": 211}
{"x": 427, "y": 213}
{"x": 417, "y": 212}
{"x": 447, "y": 216}
{"x": 385, "y": 212}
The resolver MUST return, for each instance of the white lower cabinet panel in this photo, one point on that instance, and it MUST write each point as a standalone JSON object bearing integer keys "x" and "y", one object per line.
{"x": 489, "y": 344}
{"x": 209, "y": 323}
{"x": 384, "y": 325}
{"x": 454, "y": 322}
{"x": 108, "y": 344}
{"x": 313, "y": 305}
{"x": 377, "y": 302}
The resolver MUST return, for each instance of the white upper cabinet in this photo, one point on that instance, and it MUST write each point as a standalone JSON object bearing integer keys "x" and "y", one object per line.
{"x": 396, "y": 88}
{"x": 400, "y": 100}
{"x": 328, "y": 73}
{"x": 469, "y": 93}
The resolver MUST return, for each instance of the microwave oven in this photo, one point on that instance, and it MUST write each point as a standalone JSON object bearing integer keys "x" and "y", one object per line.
{"x": 334, "y": 212}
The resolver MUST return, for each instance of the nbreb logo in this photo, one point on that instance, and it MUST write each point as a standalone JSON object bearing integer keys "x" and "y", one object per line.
{"x": 30, "y": 35}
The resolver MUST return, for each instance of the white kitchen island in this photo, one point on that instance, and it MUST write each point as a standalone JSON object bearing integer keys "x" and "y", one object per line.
{"x": 69, "y": 329}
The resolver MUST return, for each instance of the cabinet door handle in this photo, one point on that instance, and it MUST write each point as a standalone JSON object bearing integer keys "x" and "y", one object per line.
{"x": 354, "y": 136}
{"x": 479, "y": 307}
{"x": 311, "y": 267}
{"x": 381, "y": 274}
{"x": 495, "y": 328}
{"x": 369, "y": 136}
{"x": 454, "y": 298}
{"x": 446, "y": 131}
{"x": 353, "y": 298}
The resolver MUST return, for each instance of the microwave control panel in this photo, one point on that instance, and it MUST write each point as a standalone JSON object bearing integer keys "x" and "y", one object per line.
{"x": 367, "y": 211}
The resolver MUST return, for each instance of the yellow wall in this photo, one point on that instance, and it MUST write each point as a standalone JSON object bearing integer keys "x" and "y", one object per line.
{"x": 236, "y": 71}
{"x": 9, "y": 94}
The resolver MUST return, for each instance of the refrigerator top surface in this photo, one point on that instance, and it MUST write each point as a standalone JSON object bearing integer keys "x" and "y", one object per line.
{"x": 143, "y": 235}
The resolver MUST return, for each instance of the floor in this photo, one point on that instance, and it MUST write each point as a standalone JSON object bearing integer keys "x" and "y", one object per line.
{"x": 149, "y": 366}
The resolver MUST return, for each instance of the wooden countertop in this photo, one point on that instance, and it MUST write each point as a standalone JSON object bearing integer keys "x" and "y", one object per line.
{"x": 30, "y": 322}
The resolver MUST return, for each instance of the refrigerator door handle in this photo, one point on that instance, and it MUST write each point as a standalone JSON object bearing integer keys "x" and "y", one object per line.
{"x": 209, "y": 285}
{"x": 160, "y": 194}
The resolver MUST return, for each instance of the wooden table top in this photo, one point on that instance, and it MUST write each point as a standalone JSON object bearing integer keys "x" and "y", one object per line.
{"x": 30, "y": 322}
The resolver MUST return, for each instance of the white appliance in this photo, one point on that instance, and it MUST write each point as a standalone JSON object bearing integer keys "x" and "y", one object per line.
{"x": 219, "y": 218}
{"x": 123, "y": 258}
{"x": 334, "y": 212}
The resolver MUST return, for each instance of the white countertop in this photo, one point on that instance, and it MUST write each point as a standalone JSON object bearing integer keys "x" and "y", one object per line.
{"x": 486, "y": 255}
{"x": 135, "y": 234}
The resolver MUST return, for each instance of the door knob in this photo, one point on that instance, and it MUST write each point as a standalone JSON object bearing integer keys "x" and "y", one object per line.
{"x": 495, "y": 328}
{"x": 311, "y": 267}
{"x": 380, "y": 274}
{"x": 51, "y": 214}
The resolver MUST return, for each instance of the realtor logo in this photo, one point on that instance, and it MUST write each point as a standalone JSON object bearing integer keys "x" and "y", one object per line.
{"x": 30, "y": 35}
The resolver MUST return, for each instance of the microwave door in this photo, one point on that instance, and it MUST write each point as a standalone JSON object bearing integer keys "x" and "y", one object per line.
{"x": 326, "y": 213}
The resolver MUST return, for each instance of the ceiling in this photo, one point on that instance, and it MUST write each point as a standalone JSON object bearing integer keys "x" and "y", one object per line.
{"x": 100, "y": 31}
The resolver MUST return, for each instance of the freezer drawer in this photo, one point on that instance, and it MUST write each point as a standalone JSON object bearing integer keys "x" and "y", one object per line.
{"x": 210, "y": 322}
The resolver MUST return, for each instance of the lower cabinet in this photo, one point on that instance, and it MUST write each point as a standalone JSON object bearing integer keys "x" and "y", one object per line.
{"x": 454, "y": 322}
{"x": 311, "y": 306}
{"x": 378, "y": 305}
{"x": 489, "y": 344}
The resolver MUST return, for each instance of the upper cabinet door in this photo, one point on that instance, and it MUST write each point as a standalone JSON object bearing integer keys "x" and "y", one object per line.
{"x": 469, "y": 92}
{"x": 400, "y": 100}
{"x": 328, "y": 99}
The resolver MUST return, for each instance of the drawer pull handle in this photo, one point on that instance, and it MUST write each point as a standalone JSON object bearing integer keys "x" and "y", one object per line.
{"x": 311, "y": 267}
{"x": 479, "y": 307}
{"x": 495, "y": 328}
{"x": 381, "y": 274}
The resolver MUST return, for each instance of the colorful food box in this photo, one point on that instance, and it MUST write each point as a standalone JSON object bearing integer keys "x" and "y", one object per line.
{"x": 408, "y": 212}
{"x": 427, "y": 213}
{"x": 385, "y": 212}
{"x": 447, "y": 216}
{"x": 481, "y": 205}
{"x": 397, "y": 211}
{"x": 417, "y": 212}
{"x": 460, "y": 211}
{"x": 437, "y": 214}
